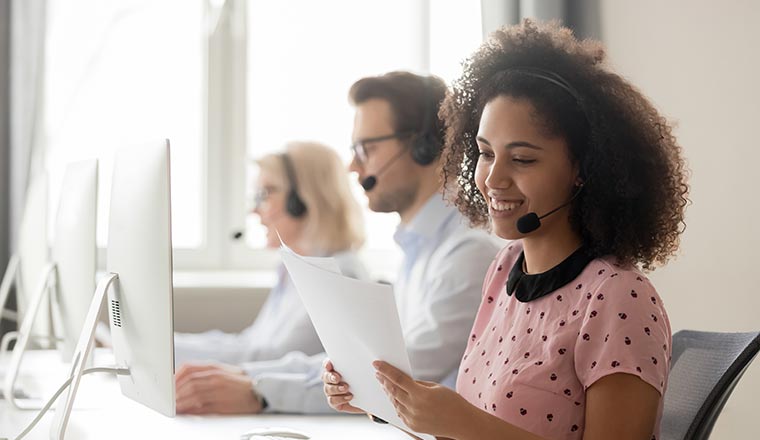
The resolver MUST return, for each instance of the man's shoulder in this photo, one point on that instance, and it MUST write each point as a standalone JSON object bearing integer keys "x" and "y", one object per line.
{"x": 463, "y": 241}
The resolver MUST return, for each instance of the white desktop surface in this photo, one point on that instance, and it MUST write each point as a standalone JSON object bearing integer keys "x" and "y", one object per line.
{"x": 101, "y": 411}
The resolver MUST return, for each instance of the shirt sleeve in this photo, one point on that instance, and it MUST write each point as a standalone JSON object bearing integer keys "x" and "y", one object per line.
{"x": 213, "y": 345}
{"x": 282, "y": 326}
{"x": 291, "y": 384}
{"x": 625, "y": 330}
{"x": 437, "y": 340}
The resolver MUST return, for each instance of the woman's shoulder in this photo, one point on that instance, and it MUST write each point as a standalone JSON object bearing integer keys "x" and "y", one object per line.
{"x": 510, "y": 252}
{"x": 605, "y": 279}
{"x": 607, "y": 272}
{"x": 503, "y": 262}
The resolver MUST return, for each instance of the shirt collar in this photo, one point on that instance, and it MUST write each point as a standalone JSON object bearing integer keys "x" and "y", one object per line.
{"x": 426, "y": 224}
{"x": 530, "y": 287}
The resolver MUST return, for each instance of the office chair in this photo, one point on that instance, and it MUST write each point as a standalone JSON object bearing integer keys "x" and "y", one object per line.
{"x": 704, "y": 371}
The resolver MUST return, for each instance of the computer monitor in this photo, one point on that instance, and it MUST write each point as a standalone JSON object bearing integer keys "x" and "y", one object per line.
{"x": 29, "y": 262}
{"x": 138, "y": 285}
{"x": 74, "y": 252}
{"x": 70, "y": 278}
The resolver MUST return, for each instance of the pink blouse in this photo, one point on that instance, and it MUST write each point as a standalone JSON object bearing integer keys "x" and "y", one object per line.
{"x": 531, "y": 363}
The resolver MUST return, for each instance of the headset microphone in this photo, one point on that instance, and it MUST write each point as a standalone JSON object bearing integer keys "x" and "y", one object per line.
{"x": 531, "y": 221}
{"x": 369, "y": 182}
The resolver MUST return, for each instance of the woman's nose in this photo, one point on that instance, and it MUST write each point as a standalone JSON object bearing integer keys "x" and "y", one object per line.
{"x": 498, "y": 176}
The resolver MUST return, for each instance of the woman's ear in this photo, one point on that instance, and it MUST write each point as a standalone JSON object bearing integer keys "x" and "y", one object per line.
{"x": 577, "y": 173}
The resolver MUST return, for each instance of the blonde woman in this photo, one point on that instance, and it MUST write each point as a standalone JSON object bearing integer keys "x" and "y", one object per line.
{"x": 303, "y": 194}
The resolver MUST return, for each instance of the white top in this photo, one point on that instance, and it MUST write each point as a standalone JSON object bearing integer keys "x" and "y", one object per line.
{"x": 281, "y": 326}
{"x": 437, "y": 292}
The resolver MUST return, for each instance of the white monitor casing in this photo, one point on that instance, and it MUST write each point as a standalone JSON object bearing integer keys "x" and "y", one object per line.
{"x": 140, "y": 252}
{"x": 137, "y": 288}
{"x": 74, "y": 252}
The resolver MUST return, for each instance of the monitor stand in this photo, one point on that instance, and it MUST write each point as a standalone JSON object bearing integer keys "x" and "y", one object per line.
{"x": 81, "y": 353}
{"x": 10, "y": 277}
{"x": 23, "y": 336}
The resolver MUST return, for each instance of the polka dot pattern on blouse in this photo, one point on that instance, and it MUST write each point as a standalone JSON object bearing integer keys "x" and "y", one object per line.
{"x": 530, "y": 363}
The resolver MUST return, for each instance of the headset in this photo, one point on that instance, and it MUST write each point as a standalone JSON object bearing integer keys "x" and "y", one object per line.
{"x": 294, "y": 205}
{"x": 532, "y": 221}
{"x": 425, "y": 147}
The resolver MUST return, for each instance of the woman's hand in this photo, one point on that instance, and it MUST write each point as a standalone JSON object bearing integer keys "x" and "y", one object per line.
{"x": 425, "y": 406}
{"x": 336, "y": 390}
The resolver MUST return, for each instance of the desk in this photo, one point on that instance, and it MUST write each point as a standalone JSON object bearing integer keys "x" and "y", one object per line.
{"x": 101, "y": 411}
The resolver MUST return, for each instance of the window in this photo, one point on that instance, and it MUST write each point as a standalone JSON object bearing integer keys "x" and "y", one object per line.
{"x": 303, "y": 57}
{"x": 119, "y": 73}
{"x": 226, "y": 81}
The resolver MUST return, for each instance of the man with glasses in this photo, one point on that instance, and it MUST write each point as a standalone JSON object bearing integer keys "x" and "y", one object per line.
{"x": 397, "y": 141}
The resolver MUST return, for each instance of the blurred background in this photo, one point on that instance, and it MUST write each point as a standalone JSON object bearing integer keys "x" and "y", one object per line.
{"x": 229, "y": 80}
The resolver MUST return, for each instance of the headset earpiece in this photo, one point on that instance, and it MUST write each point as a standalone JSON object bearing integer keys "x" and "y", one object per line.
{"x": 425, "y": 149}
{"x": 293, "y": 204}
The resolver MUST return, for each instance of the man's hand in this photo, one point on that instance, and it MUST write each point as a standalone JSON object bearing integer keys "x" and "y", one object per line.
{"x": 215, "y": 389}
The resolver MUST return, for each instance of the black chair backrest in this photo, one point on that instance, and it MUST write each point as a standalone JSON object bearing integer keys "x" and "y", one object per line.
{"x": 704, "y": 371}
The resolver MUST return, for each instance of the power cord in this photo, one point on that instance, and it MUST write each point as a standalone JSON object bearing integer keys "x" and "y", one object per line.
{"x": 33, "y": 423}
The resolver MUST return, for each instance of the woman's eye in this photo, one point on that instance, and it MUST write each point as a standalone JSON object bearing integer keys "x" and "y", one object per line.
{"x": 522, "y": 161}
{"x": 485, "y": 154}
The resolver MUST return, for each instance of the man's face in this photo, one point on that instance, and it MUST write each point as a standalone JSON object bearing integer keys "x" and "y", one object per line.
{"x": 397, "y": 184}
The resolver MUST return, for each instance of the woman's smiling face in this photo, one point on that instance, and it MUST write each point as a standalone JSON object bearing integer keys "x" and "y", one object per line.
{"x": 522, "y": 168}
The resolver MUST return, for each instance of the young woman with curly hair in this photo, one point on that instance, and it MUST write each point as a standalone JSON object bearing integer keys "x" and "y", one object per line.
{"x": 571, "y": 339}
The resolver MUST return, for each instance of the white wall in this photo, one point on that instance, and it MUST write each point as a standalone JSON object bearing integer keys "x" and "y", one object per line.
{"x": 230, "y": 309}
{"x": 699, "y": 62}
{"x": 228, "y": 301}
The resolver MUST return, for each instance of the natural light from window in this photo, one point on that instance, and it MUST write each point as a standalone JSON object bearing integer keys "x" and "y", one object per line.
{"x": 304, "y": 55}
{"x": 119, "y": 73}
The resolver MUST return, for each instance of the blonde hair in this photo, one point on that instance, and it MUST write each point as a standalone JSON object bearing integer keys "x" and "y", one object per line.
{"x": 333, "y": 220}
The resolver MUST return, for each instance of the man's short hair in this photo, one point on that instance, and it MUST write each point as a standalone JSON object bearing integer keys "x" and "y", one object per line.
{"x": 414, "y": 101}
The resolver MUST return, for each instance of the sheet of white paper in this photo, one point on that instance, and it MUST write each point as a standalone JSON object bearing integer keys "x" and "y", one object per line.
{"x": 358, "y": 323}
{"x": 326, "y": 263}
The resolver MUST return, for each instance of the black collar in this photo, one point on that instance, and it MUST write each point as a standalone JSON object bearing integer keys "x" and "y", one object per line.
{"x": 530, "y": 287}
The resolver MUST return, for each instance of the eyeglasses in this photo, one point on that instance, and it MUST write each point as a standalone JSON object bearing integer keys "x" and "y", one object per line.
{"x": 359, "y": 148}
{"x": 263, "y": 194}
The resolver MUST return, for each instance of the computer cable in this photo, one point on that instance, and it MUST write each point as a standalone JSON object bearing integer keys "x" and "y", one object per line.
{"x": 46, "y": 407}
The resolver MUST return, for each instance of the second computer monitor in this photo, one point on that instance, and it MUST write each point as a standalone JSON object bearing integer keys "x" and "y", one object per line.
{"x": 74, "y": 252}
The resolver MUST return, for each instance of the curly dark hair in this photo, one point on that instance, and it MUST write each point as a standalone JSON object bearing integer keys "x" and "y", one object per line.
{"x": 635, "y": 178}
